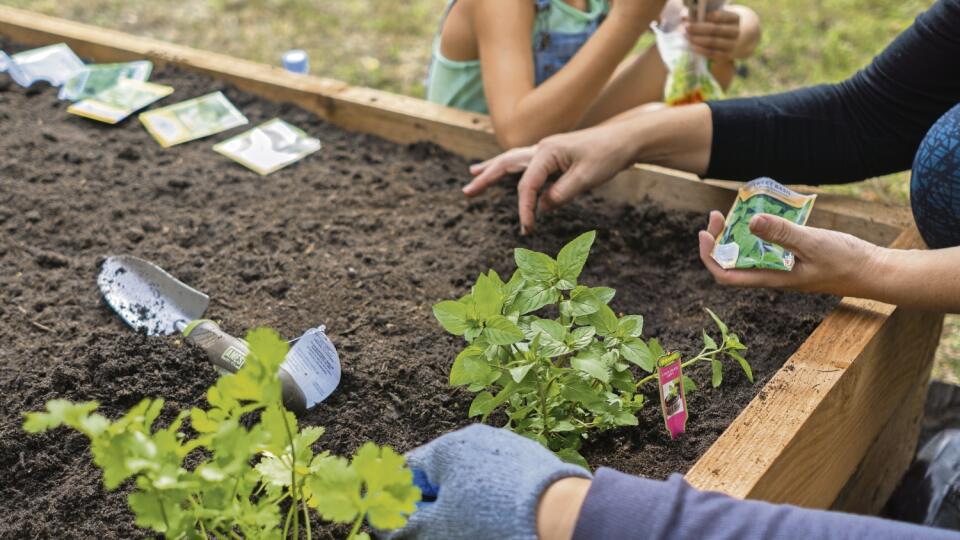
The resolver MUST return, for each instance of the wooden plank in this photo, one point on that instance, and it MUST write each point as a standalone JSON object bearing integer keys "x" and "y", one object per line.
{"x": 405, "y": 119}
{"x": 806, "y": 433}
{"x": 891, "y": 453}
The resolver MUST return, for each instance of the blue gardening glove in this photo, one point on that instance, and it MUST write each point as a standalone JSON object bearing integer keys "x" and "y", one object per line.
{"x": 481, "y": 482}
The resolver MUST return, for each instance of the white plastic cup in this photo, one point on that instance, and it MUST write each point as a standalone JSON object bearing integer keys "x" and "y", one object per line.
{"x": 296, "y": 61}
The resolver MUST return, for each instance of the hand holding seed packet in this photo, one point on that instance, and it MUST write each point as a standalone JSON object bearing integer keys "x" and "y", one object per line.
{"x": 737, "y": 247}
{"x": 192, "y": 119}
{"x": 120, "y": 100}
{"x": 269, "y": 146}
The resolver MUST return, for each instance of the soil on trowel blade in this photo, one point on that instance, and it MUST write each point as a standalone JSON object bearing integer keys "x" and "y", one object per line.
{"x": 363, "y": 236}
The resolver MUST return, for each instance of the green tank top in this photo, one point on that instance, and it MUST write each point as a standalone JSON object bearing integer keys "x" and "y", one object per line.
{"x": 459, "y": 84}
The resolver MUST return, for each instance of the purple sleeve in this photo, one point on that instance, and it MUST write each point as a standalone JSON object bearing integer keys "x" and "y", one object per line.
{"x": 622, "y": 506}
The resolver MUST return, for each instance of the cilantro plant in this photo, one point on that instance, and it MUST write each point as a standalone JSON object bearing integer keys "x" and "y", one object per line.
{"x": 557, "y": 379}
{"x": 251, "y": 482}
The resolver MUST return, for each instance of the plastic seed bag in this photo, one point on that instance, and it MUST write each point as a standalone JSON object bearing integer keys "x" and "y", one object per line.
{"x": 688, "y": 79}
{"x": 54, "y": 64}
{"x": 737, "y": 247}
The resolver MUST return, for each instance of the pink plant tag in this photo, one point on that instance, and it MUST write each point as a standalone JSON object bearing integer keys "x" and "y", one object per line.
{"x": 672, "y": 399}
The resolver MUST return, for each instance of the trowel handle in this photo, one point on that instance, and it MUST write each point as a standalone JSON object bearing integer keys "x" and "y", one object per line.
{"x": 226, "y": 352}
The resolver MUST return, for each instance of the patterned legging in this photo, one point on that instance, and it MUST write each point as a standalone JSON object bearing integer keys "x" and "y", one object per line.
{"x": 935, "y": 184}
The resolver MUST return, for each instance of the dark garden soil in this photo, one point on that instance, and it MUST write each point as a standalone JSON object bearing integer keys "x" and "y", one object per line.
{"x": 363, "y": 237}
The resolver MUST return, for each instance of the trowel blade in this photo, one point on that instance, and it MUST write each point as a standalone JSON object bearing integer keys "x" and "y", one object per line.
{"x": 148, "y": 298}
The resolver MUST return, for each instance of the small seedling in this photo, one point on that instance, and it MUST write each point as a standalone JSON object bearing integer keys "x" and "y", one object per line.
{"x": 558, "y": 379}
{"x": 247, "y": 475}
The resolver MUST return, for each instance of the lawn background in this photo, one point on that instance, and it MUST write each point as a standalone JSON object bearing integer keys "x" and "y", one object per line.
{"x": 385, "y": 44}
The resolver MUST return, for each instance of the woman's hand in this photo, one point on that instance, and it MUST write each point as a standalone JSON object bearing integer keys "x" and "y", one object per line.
{"x": 826, "y": 261}
{"x": 584, "y": 158}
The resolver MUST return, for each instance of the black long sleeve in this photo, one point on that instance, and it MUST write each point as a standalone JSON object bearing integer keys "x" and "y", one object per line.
{"x": 868, "y": 125}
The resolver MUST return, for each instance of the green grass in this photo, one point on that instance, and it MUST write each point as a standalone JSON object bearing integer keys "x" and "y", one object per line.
{"x": 386, "y": 44}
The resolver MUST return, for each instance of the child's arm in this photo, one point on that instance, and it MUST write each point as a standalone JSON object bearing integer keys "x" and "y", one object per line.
{"x": 522, "y": 113}
{"x": 727, "y": 35}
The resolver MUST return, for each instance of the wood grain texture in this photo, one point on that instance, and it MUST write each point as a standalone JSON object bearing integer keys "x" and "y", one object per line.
{"x": 813, "y": 424}
{"x": 890, "y": 454}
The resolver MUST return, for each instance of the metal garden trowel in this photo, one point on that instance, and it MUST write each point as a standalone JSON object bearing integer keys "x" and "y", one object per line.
{"x": 150, "y": 300}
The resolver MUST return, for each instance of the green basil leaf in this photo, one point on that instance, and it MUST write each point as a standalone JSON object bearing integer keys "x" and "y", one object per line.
{"x": 743, "y": 363}
{"x": 501, "y": 331}
{"x": 536, "y": 266}
{"x": 574, "y": 255}
{"x": 452, "y": 316}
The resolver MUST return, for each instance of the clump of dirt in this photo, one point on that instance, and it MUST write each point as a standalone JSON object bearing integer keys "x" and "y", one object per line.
{"x": 363, "y": 236}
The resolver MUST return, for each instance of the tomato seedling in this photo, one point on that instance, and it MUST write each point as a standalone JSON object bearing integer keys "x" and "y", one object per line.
{"x": 558, "y": 379}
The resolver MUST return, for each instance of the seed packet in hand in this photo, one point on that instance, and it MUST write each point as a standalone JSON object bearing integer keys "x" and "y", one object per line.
{"x": 53, "y": 64}
{"x": 120, "y": 100}
{"x": 269, "y": 146}
{"x": 96, "y": 78}
{"x": 737, "y": 247}
{"x": 192, "y": 119}
{"x": 4, "y": 61}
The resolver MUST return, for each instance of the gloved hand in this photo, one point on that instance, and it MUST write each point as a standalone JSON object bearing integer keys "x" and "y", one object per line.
{"x": 481, "y": 482}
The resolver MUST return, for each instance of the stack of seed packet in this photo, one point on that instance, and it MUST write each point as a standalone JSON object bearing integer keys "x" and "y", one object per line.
{"x": 269, "y": 147}
{"x": 96, "y": 78}
{"x": 192, "y": 119}
{"x": 119, "y": 101}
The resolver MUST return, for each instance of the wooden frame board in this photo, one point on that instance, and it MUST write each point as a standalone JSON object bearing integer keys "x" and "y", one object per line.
{"x": 834, "y": 427}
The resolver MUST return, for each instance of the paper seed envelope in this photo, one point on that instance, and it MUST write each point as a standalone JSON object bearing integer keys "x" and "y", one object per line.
{"x": 269, "y": 146}
{"x": 192, "y": 119}
{"x": 98, "y": 77}
{"x": 120, "y": 100}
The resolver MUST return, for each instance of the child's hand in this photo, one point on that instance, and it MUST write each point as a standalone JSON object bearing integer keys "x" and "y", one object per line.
{"x": 717, "y": 37}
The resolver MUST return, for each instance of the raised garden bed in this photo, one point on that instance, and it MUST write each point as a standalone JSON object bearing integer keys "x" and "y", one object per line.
{"x": 364, "y": 237}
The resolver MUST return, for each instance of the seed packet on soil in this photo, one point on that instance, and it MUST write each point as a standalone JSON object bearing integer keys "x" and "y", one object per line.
{"x": 192, "y": 119}
{"x": 120, "y": 100}
{"x": 737, "y": 247}
{"x": 96, "y": 78}
{"x": 54, "y": 64}
{"x": 689, "y": 79}
{"x": 269, "y": 146}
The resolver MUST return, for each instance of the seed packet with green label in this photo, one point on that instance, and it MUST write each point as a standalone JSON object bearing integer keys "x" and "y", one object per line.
{"x": 120, "y": 100}
{"x": 737, "y": 247}
{"x": 96, "y": 78}
{"x": 192, "y": 119}
{"x": 269, "y": 146}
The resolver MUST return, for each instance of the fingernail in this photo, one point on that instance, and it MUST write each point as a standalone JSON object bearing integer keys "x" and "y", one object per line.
{"x": 523, "y": 230}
